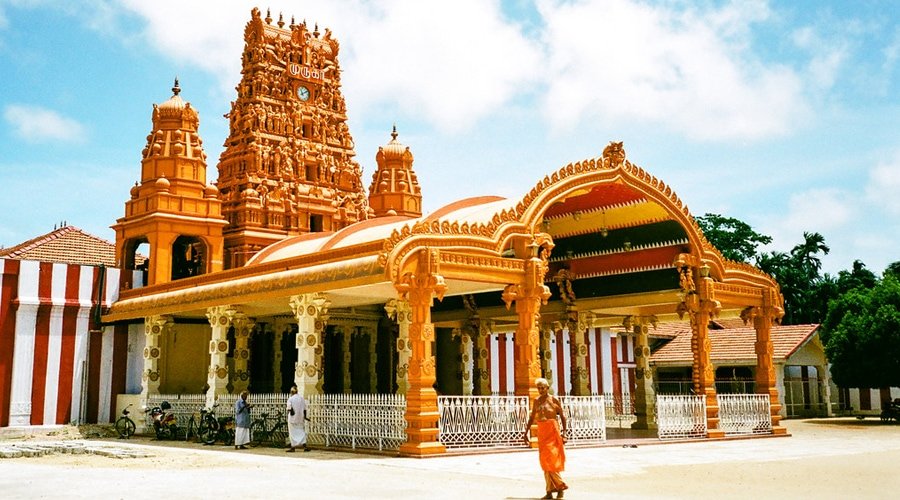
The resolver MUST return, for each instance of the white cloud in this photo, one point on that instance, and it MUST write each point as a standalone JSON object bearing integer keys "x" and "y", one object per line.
{"x": 819, "y": 210}
{"x": 449, "y": 63}
{"x": 37, "y": 124}
{"x": 884, "y": 184}
{"x": 689, "y": 70}
{"x": 828, "y": 52}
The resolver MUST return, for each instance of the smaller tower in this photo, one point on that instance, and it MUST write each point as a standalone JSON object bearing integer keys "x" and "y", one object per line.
{"x": 395, "y": 187}
{"x": 172, "y": 208}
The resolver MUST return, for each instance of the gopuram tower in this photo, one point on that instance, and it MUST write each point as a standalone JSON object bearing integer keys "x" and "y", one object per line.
{"x": 288, "y": 166}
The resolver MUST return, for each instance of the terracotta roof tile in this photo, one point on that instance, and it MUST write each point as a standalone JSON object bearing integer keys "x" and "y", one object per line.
{"x": 67, "y": 244}
{"x": 734, "y": 345}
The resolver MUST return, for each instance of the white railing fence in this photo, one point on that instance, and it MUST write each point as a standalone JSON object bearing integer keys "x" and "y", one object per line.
{"x": 183, "y": 406}
{"x": 482, "y": 421}
{"x": 371, "y": 421}
{"x": 619, "y": 409}
{"x": 499, "y": 421}
{"x": 680, "y": 416}
{"x": 586, "y": 416}
{"x": 745, "y": 414}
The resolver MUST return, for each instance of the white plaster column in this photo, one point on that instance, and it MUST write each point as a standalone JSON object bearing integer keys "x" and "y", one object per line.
{"x": 824, "y": 377}
{"x": 577, "y": 325}
{"x": 307, "y": 310}
{"x": 465, "y": 360}
{"x": 399, "y": 311}
{"x": 482, "y": 372}
{"x": 243, "y": 326}
{"x": 546, "y": 354}
{"x": 220, "y": 320}
{"x": 154, "y": 329}
{"x": 23, "y": 355}
{"x": 645, "y": 396}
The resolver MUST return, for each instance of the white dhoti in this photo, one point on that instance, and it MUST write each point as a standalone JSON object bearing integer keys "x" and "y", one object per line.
{"x": 298, "y": 434}
{"x": 241, "y": 436}
{"x": 296, "y": 420}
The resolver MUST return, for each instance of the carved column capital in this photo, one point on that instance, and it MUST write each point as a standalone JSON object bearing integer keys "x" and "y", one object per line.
{"x": 221, "y": 315}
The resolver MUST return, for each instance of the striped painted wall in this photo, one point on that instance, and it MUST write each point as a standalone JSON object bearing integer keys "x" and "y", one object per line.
{"x": 56, "y": 365}
{"x": 610, "y": 362}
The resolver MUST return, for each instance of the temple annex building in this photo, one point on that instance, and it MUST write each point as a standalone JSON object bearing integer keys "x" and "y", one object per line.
{"x": 430, "y": 329}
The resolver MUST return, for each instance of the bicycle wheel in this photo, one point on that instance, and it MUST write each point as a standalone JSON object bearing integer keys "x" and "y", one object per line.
{"x": 258, "y": 433}
{"x": 212, "y": 431}
{"x": 125, "y": 427}
{"x": 190, "y": 430}
{"x": 278, "y": 435}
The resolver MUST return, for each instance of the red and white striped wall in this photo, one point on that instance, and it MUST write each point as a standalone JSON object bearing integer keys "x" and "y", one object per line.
{"x": 610, "y": 362}
{"x": 56, "y": 365}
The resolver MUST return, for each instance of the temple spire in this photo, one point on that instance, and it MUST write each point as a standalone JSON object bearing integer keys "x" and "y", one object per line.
{"x": 395, "y": 188}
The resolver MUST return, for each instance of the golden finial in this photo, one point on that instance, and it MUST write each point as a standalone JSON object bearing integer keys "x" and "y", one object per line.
{"x": 268, "y": 16}
{"x": 316, "y": 31}
{"x": 176, "y": 89}
{"x": 292, "y": 22}
{"x": 280, "y": 20}
{"x": 394, "y": 133}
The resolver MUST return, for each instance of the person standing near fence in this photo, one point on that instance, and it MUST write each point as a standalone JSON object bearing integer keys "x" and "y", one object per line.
{"x": 242, "y": 421}
{"x": 296, "y": 409}
{"x": 545, "y": 412}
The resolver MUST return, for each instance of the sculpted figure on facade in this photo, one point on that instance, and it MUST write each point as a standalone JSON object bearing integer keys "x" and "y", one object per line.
{"x": 288, "y": 116}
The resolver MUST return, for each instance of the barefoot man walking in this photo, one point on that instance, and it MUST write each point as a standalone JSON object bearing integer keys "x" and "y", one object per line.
{"x": 546, "y": 410}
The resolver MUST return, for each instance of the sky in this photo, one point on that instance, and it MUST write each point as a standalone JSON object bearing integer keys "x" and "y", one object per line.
{"x": 783, "y": 114}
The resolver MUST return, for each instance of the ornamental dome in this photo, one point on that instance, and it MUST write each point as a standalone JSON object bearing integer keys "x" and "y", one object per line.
{"x": 162, "y": 184}
{"x": 176, "y": 108}
{"x": 211, "y": 191}
{"x": 394, "y": 150}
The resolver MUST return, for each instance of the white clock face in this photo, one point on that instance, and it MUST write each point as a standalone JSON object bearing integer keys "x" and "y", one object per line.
{"x": 303, "y": 93}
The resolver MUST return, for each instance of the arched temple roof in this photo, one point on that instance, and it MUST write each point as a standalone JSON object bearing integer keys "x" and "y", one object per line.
{"x": 618, "y": 236}
{"x": 478, "y": 210}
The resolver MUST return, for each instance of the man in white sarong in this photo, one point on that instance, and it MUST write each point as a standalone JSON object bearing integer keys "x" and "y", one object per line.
{"x": 296, "y": 409}
{"x": 242, "y": 421}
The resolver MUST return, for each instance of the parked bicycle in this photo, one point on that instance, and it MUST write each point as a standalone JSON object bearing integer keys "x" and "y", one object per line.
{"x": 890, "y": 411}
{"x": 125, "y": 427}
{"x": 201, "y": 424}
{"x": 262, "y": 434}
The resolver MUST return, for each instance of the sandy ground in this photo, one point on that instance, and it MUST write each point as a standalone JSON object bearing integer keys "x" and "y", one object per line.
{"x": 837, "y": 458}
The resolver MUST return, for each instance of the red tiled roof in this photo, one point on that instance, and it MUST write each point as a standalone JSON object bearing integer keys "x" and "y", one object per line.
{"x": 67, "y": 244}
{"x": 733, "y": 345}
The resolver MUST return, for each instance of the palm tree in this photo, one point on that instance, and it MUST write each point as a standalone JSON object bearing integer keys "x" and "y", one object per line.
{"x": 806, "y": 254}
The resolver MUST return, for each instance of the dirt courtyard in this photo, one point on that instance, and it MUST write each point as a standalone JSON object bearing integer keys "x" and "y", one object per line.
{"x": 834, "y": 458}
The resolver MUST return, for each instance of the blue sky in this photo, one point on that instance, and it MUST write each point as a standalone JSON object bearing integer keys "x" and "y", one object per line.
{"x": 784, "y": 114}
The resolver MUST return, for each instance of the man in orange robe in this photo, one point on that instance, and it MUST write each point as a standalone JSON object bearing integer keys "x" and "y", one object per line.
{"x": 545, "y": 412}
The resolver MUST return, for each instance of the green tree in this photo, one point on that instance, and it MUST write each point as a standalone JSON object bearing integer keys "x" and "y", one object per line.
{"x": 857, "y": 277}
{"x": 798, "y": 273}
{"x": 893, "y": 268}
{"x": 861, "y": 333}
{"x": 734, "y": 238}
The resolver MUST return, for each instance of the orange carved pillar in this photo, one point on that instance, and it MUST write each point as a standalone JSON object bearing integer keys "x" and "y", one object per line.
{"x": 422, "y": 413}
{"x": 699, "y": 302}
{"x": 528, "y": 296}
{"x": 766, "y": 382}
